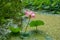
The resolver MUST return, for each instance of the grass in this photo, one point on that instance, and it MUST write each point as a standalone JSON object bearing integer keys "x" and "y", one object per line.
{"x": 51, "y": 27}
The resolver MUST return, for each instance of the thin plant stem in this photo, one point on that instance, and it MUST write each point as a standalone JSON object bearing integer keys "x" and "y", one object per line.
{"x": 27, "y": 25}
{"x": 36, "y": 29}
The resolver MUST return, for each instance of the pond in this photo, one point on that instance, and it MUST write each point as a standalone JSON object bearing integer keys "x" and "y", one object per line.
{"x": 31, "y": 36}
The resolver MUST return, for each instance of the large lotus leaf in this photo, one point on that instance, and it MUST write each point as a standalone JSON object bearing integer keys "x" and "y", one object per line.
{"x": 36, "y": 23}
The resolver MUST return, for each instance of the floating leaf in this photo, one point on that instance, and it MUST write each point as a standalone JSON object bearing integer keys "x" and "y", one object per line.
{"x": 14, "y": 30}
{"x": 36, "y": 23}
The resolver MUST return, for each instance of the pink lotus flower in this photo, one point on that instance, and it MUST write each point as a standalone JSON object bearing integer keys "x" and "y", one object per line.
{"x": 29, "y": 14}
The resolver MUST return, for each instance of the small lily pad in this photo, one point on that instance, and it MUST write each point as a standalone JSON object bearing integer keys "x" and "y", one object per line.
{"x": 14, "y": 30}
{"x": 24, "y": 35}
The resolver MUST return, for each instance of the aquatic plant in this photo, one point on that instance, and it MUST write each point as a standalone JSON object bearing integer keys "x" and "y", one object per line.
{"x": 36, "y": 23}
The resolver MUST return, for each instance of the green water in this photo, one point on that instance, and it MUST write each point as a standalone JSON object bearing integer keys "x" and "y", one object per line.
{"x": 31, "y": 37}
{"x": 36, "y": 37}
